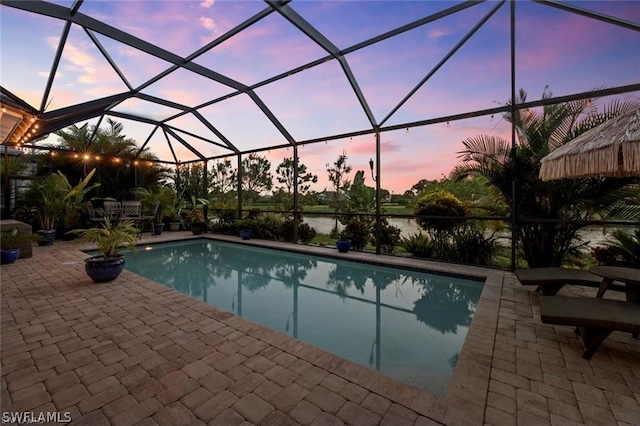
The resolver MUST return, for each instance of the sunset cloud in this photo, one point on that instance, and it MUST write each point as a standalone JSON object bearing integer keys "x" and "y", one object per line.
{"x": 437, "y": 33}
{"x": 208, "y": 23}
{"x": 320, "y": 102}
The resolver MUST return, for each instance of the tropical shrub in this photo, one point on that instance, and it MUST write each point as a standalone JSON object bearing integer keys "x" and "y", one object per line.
{"x": 227, "y": 214}
{"x": 305, "y": 232}
{"x": 439, "y": 203}
{"x": 622, "y": 250}
{"x": 357, "y": 232}
{"x": 418, "y": 244}
{"x": 389, "y": 236}
{"x": 539, "y": 131}
{"x": 246, "y": 225}
{"x": 267, "y": 226}
{"x": 472, "y": 246}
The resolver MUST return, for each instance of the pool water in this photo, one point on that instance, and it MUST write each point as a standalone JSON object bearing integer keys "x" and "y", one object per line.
{"x": 408, "y": 325}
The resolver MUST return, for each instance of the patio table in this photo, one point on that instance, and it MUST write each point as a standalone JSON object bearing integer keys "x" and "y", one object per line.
{"x": 629, "y": 276}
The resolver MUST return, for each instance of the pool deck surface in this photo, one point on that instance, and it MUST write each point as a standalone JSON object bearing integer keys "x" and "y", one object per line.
{"x": 135, "y": 352}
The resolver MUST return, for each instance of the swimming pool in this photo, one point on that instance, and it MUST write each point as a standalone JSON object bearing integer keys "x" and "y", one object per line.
{"x": 406, "y": 324}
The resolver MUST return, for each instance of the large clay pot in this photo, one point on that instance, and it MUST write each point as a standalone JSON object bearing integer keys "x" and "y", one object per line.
{"x": 197, "y": 228}
{"x": 48, "y": 236}
{"x": 343, "y": 246}
{"x": 103, "y": 269}
{"x": 158, "y": 228}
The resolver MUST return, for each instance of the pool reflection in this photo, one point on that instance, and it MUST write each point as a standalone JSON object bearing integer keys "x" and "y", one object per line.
{"x": 406, "y": 324}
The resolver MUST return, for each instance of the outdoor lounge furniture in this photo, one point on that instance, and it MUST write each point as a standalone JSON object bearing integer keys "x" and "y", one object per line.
{"x": 594, "y": 318}
{"x": 112, "y": 209}
{"x": 93, "y": 214}
{"x": 629, "y": 276}
{"x": 551, "y": 279}
{"x": 148, "y": 216}
{"x": 131, "y": 210}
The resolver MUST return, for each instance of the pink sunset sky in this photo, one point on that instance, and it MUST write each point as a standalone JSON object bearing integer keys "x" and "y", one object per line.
{"x": 567, "y": 52}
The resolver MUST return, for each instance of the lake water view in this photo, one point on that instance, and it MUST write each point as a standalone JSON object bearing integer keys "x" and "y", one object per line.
{"x": 323, "y": 225}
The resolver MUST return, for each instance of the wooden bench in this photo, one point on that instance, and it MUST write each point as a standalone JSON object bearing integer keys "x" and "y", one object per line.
{"x": 594, "y": 318}
{"x": 550, "y": 280}
{"x": 26, "y": 248}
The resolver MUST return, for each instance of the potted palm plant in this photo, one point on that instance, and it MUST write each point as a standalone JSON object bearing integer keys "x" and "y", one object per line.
{"x": 52, "y": 197}
{"x": 343, "y": 243}
{"x": 10, "y": 242}
{"x": 73, "y": 204}
{"x": 160, "y": 197}
{"x": 174, "y": 212}
{"x": 45, "y": 196}
{"x": 195, "y": 215}
{"x": 109, "y": 263}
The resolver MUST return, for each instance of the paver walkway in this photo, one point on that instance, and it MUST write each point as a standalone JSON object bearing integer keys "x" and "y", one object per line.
{"x": 135, "y": 352}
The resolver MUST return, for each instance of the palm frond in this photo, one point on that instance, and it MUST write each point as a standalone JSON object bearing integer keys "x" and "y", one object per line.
{"x": 485, "y": 149}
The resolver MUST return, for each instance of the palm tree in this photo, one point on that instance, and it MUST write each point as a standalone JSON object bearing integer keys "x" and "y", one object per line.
{"x": 538, "y": 204}
{"x": 112, "y": 153}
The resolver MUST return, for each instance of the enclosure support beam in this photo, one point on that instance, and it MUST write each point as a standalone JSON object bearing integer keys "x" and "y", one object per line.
{"x": 239, "y": 184}
{"x": 7, "y": 190}
{"x": 514, "y": 222}
{"x": 205, "y": 191}
{"x": 295, "y": 194}
{"x": 377, "y": 181}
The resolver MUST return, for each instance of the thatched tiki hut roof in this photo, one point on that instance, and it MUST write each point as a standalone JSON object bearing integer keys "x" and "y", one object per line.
{"x": 610, "y": 149}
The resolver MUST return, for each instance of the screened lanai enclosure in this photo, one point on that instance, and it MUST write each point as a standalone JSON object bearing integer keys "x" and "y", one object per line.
{"x": 406, "y": 91}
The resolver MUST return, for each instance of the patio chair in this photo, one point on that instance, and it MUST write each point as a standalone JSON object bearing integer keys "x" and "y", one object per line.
{"x": 550, "y": 280}
{"x": 112, "y": 209}
{"x": 594, "y": 318}
{"x": 148, "y": 217}
{"x": 131, "y": 210}
{"x": 93, "y": 214}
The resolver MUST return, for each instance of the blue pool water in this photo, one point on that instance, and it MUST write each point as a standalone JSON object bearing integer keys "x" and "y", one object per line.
{"x": 408, "y": 325}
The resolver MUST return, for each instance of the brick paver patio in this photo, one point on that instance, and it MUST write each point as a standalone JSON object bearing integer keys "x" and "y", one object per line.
{"x": 135, "y": 352}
